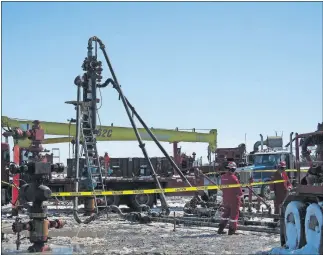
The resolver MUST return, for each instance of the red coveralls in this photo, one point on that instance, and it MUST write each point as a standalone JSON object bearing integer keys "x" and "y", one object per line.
{"x": 280, "y": 189}
{"x": 106, "y": 161}
{"x": 231, "y": 201}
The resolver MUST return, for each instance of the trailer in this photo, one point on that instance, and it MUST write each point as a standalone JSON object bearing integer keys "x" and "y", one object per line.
{"x": 130, "y": 174}
{"x": 127, "y": 173}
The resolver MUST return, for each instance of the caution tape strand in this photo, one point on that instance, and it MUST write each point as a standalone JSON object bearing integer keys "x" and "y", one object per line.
{"x": 157, "y": 191}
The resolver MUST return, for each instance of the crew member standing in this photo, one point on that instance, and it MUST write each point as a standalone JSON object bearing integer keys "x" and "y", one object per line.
{"x": 106, "y": 161}
{"x": 231, "y": 200}
{"x": 280, "y": 189}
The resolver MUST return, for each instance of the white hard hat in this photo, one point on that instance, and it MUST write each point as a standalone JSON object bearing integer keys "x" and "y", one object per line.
{"x": 232, "y": 165}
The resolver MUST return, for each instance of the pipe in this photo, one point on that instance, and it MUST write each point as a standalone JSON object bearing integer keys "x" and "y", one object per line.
{"x": 297, "y": 159}
{"x": 261, "y": 215}
{"x": 77, "y": 155}
{"x": 256, "y": 146}
{"x": 210, "y": 224}
{"x": 262, "y": 142}
{"x": 258, "y": 143}
{"x": 291, "y": 161}
{"x": 240, "y": 221}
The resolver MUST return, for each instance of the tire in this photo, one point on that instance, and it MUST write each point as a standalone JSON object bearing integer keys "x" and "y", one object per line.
{"x": 314, "y": 227}
{"x": 265, "y": 192}
{"x": 141, "y": 199}
{"x": 295, "y": 225}
{"x": 112, "y": 200}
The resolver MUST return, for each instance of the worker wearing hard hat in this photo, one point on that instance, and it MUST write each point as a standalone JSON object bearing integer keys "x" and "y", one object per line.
{"x": 281, "y": 188}
{"x": 231, "y": 200}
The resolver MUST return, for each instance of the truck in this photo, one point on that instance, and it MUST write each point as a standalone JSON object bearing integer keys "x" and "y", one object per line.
{"x": 260, "y": 162}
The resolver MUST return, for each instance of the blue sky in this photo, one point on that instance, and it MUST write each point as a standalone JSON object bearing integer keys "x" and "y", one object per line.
{"x": 238, "y": 67}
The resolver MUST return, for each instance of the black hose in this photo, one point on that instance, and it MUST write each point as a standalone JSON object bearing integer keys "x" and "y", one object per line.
{"x": 106, "y": 83}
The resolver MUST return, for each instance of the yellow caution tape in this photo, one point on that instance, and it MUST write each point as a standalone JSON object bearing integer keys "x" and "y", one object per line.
{"x": 155, "y": 191}
{"x": 258, "y": 171}
{"x": 10, "y": 184}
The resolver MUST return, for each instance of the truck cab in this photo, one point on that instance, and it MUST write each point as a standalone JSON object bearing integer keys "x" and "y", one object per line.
{"x": 261, "y": 161}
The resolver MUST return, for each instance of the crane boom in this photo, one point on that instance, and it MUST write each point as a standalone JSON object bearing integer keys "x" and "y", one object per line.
{"x": 113, "y": 133}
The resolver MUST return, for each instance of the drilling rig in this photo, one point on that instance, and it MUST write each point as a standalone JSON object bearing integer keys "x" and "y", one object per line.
{"x": 86, "y": 132}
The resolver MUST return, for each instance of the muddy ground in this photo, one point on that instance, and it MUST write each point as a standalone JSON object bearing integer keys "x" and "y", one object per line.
{"x": 116, "y": 236}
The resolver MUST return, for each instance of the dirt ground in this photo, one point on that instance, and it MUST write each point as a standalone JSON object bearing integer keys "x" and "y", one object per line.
{"x": 116, "y": 236}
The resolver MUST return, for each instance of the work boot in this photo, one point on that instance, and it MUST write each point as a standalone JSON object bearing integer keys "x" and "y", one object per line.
{"x": 220, "y": 230}
{"x": 231, "y": 231}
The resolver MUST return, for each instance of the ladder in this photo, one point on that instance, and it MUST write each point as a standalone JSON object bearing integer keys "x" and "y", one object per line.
{"x": 92, "y": 162}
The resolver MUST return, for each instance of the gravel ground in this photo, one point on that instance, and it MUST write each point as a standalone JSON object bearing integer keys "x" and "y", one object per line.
{"x": 115, "y": 236}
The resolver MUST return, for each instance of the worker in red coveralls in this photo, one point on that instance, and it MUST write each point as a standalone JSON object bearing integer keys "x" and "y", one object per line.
{"x": 280, "y": 189}
{"x": 106, "y": 161}
{"x": 231, "y": 200}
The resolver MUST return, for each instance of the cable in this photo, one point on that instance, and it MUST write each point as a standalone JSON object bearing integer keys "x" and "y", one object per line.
{"x": 97, "y": 113}
{"x": 100, "y": 100}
